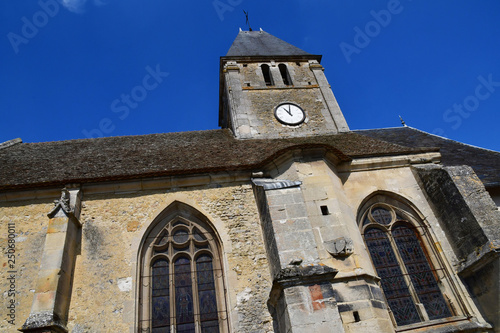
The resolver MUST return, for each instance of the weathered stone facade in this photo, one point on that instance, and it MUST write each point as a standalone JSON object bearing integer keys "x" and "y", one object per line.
{"x": 289, "y": 230}
{"x": 29, "y": 222}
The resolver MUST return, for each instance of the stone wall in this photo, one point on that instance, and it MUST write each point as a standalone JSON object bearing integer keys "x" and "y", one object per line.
{"x": 252, "y": 104}
{"x": 465, "y": 208}
{"x": 103, "y": 296}
{"x": 105, "y": 276}
{"x": 310, "y": 284}
{"x": 472, "y": 224}
{"x": 28, "y": 222}
{"x": 265, "y": 102}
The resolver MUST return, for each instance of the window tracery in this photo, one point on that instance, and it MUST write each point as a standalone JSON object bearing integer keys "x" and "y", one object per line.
{"x": 409, "y": 279}
{"x": 181, "y": 282}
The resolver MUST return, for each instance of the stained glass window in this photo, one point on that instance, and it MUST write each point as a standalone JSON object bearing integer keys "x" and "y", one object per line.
{"x": 185, "y": 286}
{"x": 381, "y": 215}
{"x": 420, "y": 272}
{"x": 161, "y": 299}
{"x": 206, "y": 294}
{"x": 392, "y": 278}
{"x": 407, "y": 276}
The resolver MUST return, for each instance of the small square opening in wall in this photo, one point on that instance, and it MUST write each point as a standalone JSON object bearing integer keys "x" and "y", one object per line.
{"x": 245, "y": 65}
{"x": 356, "y": 316}
{"x": 324, "y": 210}
{"x": 309, "y": 83}
{"x": 248, "y": 84}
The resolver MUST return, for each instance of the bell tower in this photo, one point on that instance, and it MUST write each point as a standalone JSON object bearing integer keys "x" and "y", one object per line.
{"x": 271, "y": 89}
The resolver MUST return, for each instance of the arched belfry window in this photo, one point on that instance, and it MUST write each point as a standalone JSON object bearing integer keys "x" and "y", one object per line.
{"x": 182, "y": 287}
{"x": 411, "y": 281}
{"x": 285, "y": 75}
{"x": 266, "y": 72}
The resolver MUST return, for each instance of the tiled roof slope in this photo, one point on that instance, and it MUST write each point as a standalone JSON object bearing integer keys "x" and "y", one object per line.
{"x": 486, "y": 163}
{"x": 29, "y": 165}
{"x": 260, "y": 43}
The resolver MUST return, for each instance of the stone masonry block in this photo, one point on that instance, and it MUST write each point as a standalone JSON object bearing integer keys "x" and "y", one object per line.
{"x": 57, "y": 224}
{"x": 291, "y": 225}
{"x": 295, "y": 295}
{"x": 314, "y": 192}
{"x": 47, "y": 280}
{"x": 287, "y": 256}
{"x": 280, "y": 200}
{"x": 296, "y": 211}
{"x": 304, "y": 314}
{"x": 377, "y": 293}
{"x": 311, "y": 256}
{"x": 52, "y": 259}
{"x": 277, "y": 213}
{"x": 55, "y": 241}
{"x": 296, "y": 240}
{"x": 298, "y": 198}
{"x": 44, "y": 301}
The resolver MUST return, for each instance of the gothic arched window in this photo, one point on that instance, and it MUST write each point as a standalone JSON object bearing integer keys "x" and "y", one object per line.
{"x": 409, "y": 279}
{"x": 181, "y": 280}
{"x": 285, "y": 75}
{"x": 266, "y": 72}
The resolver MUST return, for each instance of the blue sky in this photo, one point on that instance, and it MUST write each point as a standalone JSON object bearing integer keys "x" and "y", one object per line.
{"x": 66, "y": 66}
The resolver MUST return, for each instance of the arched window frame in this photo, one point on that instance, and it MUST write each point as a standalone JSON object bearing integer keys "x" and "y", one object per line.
{"x": 403, "y": 214}
{"x": 266, "y": 73}
{"x": 285, "y": 74}
{"x": 149, "y": 254}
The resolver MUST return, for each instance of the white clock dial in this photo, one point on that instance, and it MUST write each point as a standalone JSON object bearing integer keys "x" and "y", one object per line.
{"x": 289, "y": 114}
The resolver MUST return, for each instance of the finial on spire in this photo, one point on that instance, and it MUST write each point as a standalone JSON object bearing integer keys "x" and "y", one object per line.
{"x": 247, "y": 22}
{"x": 402, "y": 121}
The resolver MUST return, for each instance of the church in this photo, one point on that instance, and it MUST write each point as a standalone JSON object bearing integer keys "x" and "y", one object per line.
{"x": 284, "y": 220}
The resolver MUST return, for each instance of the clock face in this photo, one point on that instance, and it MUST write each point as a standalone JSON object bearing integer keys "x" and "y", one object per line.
{"x": 290, "y": 114}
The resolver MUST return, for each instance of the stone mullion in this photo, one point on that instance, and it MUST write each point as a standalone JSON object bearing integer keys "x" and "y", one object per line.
{"x": 194, "y": 279}
{"x": 171, "y": 284}
{"x": 147, "y": 322}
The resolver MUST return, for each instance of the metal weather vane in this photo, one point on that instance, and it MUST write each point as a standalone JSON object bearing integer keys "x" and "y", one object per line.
{"x": 247, "y": 22}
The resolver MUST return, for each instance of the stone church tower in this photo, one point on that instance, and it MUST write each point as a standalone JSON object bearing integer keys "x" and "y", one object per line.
{"x": 282, "y": 221}
{"x": 261, "y": 72}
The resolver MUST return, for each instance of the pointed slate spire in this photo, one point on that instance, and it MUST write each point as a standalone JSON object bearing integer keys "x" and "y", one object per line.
{"x": 261, "y": 43}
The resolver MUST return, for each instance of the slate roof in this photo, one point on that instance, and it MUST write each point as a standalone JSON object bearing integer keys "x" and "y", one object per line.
{"x": 261, "y": 43}
{"x": 30, "y": 165}
{"x": 486, "y": 163}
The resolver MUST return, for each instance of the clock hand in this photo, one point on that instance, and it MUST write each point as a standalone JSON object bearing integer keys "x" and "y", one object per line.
{"x": 289, "y": 111}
